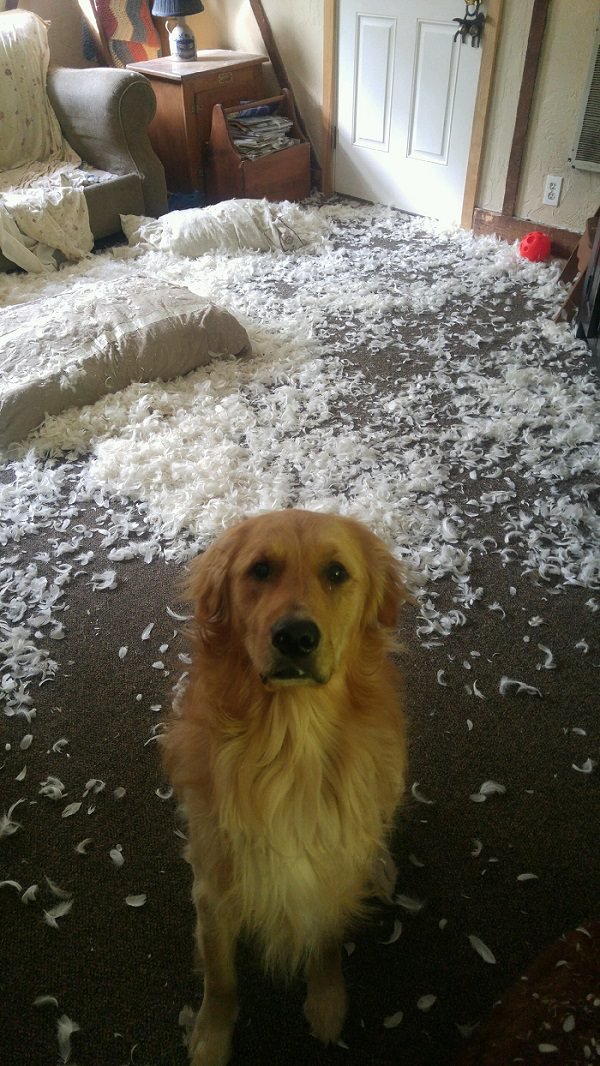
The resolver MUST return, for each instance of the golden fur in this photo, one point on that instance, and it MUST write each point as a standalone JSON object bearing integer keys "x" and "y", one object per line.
{"x": 287, "y": 752}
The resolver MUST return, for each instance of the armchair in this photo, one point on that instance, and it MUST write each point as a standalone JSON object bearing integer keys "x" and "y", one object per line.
{"x": 103, "y": 115}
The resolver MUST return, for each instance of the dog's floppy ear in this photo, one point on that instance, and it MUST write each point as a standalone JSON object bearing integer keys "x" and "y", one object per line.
{"x": 207, "y": 585}
{"x": 388, "y": 591}
{"x": 391, "y": 592}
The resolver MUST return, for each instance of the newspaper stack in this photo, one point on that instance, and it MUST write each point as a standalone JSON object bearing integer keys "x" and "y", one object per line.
{"x": 256, "y": 135}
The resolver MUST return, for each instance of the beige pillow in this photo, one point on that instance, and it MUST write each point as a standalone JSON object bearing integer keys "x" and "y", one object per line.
{"x": 71, "y": 349}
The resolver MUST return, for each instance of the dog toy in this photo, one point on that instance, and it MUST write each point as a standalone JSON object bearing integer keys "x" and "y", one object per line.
{"x": 535, "y": 246}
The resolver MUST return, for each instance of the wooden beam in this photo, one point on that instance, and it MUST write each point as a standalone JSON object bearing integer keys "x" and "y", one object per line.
{"x": 537, "y": 27}
{"x": 329, "y": 93}
{"x": 282, "y": 79}
{"x": 512, "y": 229}
{"x": 489, "y": 43}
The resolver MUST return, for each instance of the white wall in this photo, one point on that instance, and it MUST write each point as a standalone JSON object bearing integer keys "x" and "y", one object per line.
{"x": 564, "y": 64}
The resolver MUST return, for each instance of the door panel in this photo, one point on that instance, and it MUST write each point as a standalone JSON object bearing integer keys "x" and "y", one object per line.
{"x": 406, "y": 100}
{"x": 434, "y": 92}
{"x": 375, "y": 49}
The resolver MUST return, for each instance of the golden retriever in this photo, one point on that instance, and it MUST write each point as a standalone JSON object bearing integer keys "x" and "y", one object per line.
{"x": 288, "y": 754}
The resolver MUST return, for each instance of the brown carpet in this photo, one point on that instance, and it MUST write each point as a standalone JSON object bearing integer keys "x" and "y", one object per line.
{"x": 124, "y": 973}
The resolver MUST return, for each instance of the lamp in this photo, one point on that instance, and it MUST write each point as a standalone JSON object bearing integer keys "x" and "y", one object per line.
{"x": 181, "y": 39}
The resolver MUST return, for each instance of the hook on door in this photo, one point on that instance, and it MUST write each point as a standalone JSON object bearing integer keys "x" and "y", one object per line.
{"x": 471, "y": 24}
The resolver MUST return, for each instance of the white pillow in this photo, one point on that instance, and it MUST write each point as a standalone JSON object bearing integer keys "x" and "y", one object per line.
{"x": 229, "y": 226}
{"x": 73, "y": 348}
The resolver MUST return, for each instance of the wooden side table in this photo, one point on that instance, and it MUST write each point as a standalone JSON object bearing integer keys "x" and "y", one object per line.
{"x": 186, "y": 93}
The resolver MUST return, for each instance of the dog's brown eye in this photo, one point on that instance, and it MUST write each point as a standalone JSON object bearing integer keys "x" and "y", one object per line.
{"x": 260, "y": 571}
{"x": 336, "y": 574}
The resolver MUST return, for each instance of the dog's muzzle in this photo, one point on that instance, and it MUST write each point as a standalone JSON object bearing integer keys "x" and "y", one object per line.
{"x": 294, "y": 642}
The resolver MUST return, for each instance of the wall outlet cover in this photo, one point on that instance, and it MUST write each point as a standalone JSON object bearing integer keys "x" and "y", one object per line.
{"x": 552, "y": 190}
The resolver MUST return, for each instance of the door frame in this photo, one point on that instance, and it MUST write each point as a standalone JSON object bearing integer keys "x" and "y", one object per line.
{"x": 489, "y": 45}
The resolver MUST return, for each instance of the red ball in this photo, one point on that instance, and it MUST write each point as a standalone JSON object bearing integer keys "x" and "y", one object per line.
{"x": 535, "y": 246}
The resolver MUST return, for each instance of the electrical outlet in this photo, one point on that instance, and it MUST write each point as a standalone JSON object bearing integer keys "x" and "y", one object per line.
{"x": 552, "y": 190}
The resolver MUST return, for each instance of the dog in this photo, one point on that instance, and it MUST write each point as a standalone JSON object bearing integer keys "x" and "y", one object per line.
{"x": 287, "y": 751}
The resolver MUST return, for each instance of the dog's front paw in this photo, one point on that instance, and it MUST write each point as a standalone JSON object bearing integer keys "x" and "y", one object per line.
{"x": 325, "y": 1012}
{"x": 210, "y": 1045}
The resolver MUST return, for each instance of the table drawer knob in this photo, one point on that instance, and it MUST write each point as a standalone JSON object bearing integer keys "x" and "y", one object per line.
{"x": 224, "y": 77}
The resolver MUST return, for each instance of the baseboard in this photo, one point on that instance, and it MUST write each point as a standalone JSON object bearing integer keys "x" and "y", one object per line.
{"x": 511, "y": 229}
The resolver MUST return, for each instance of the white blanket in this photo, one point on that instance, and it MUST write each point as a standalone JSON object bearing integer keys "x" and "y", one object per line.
{"x": 42, "y": 205}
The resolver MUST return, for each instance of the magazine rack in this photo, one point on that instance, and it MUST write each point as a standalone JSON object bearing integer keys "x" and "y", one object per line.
{"x": 280, "y": 175}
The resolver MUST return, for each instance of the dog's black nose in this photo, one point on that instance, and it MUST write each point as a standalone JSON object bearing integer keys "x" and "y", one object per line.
{"x": 295, "y": 637}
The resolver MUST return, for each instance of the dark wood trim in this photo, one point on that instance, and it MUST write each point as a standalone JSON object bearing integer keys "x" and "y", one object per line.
{"x": 282, "y": 79}
{"x": 512, "y": 229}
{"x": 537, "y": 27}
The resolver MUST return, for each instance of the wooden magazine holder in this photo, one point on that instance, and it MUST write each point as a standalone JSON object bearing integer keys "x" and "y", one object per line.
{"x": 280, "y": 175}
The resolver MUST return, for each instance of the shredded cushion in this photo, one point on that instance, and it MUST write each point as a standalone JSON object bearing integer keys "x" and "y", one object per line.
{"x": 230, "y": 226}
{"x": 71, "y": 349}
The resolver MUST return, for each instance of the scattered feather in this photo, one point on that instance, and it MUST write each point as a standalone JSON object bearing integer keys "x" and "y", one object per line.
{"x": 82, "y": 847}
{"x": 58, "y": 911}
{"x": 95, "y": 785}
{"x": 7, "y": 826}
{"x": 392, "y": 1021}
{"x": 117, "y": 856}
{"x": 30, "y": 894}
{"x": 147, "y": 631}
{"x": 56, "y": 890}
{"x": 413, "y": 906}
{"x": 481, "y": 949}
{"x": 507, "y": 683}
{"x": 163, "y": 793}
{"x": 70, "y": 810}
{"x": 66, "y": 1027}
{"x": 527, "y": 877}
{"x": 440, "y": 678}
{"x": 396, "y": 933}
{"x": 45, "y": 1001}
{"x": 586, "y": 767}
{"x": 136, "y": 901}
{"x": 106, "y": 580}
{"x": 11, "y": 884}
{"x": 425, "y": 1003}
{"x": 549, "y": 662}
{"x": 420, "y": 798}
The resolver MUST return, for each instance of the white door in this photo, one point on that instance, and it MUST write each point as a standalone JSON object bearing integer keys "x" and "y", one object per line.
{"x": 406, "y": 99}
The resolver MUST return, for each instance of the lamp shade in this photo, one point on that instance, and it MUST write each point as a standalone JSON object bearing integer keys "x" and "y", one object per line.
{"x": 174, "y": 9}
